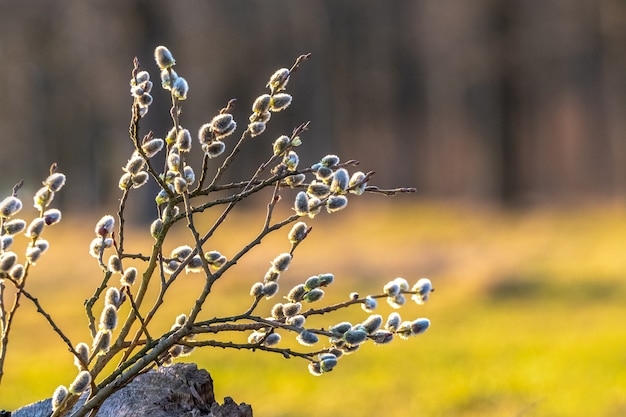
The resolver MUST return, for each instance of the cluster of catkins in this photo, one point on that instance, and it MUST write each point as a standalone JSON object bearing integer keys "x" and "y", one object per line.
{"x": 11, "y": 226}
{"x": 275, "y": 101}
{"x": 83, "y": 380}
{"x": 344, "y": 337}
{"x": 113, "y": 299}
{"x": 289, "y": 312}
{"x": 178, "y": 350}
{"x": 329, "y": 188}
{"x": 178, "y": 255}
{"x": 140, "y": 88}
{"x": 178, "y": 175}
{"x": 169, "y": 78}
{"x": 104, "y": 240}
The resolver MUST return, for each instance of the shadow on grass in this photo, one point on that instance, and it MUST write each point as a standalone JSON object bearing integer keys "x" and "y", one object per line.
{"x": 525, "y": 288}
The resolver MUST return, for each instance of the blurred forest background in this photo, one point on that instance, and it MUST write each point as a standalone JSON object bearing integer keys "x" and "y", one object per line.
{"x": 505, "y": 101}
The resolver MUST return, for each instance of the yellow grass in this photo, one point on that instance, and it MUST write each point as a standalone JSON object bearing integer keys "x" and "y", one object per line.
{"x": 527, "y": 317}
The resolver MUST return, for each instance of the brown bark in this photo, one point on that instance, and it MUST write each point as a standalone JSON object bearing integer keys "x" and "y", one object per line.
{"x": 180, "y": 390}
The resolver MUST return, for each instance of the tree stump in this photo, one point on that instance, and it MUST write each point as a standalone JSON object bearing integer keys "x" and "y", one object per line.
{"x": 181, "y": 390}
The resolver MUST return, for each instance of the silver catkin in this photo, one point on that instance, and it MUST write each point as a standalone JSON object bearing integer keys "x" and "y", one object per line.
{"x": 81, "y": 383}
{"x": 108, "y": 318}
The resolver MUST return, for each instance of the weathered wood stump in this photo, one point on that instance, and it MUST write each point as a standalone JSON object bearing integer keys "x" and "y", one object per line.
{"x": 181, "y": 390}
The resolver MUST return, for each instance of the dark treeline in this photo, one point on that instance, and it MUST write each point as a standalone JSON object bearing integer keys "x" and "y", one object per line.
{"x": 509, "y": 101}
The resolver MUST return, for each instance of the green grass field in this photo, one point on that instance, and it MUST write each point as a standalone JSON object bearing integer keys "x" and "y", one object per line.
{"x": 527, "y": 318}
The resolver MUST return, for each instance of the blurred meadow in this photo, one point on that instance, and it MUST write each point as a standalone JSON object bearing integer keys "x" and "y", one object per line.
{"x": 527, "y": 316}
{"x": 506, "y": 115}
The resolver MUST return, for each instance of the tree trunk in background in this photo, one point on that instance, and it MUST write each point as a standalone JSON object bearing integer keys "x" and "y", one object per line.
{"x": 613, "y": 38}
{"x": 507, "y": 158}
{"x": 181, "y": 390}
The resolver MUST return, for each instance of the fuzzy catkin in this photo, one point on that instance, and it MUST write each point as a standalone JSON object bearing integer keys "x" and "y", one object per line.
{"x": 83, "y": 356}
{"x": 60, "y": 393}
{"x": 10, "y": 206}
{"x": 81, "y": 383}
{"x": 108, "y": 318}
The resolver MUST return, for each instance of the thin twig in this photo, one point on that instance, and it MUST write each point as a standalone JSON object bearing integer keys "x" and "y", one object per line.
{"x": 54, "y": 326}
{"x": 284, "y": 352}
{"x": 122, "y": 220}
{"x": 133, "y": 305}
{"x": 389, "y": 192}
{"x": 92, "y": 301}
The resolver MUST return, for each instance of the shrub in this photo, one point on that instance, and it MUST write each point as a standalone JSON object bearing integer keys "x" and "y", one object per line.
{"x": 129, "y": 339}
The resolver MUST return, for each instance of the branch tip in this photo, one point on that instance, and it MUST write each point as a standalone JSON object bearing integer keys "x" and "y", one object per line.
{"x": 299, "y": 60}
{"x": 17, "y": 187}
{"x": 230, "y": 106}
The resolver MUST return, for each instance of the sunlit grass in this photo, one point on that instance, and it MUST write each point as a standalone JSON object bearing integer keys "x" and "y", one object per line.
{"x": 527, "y": 317}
